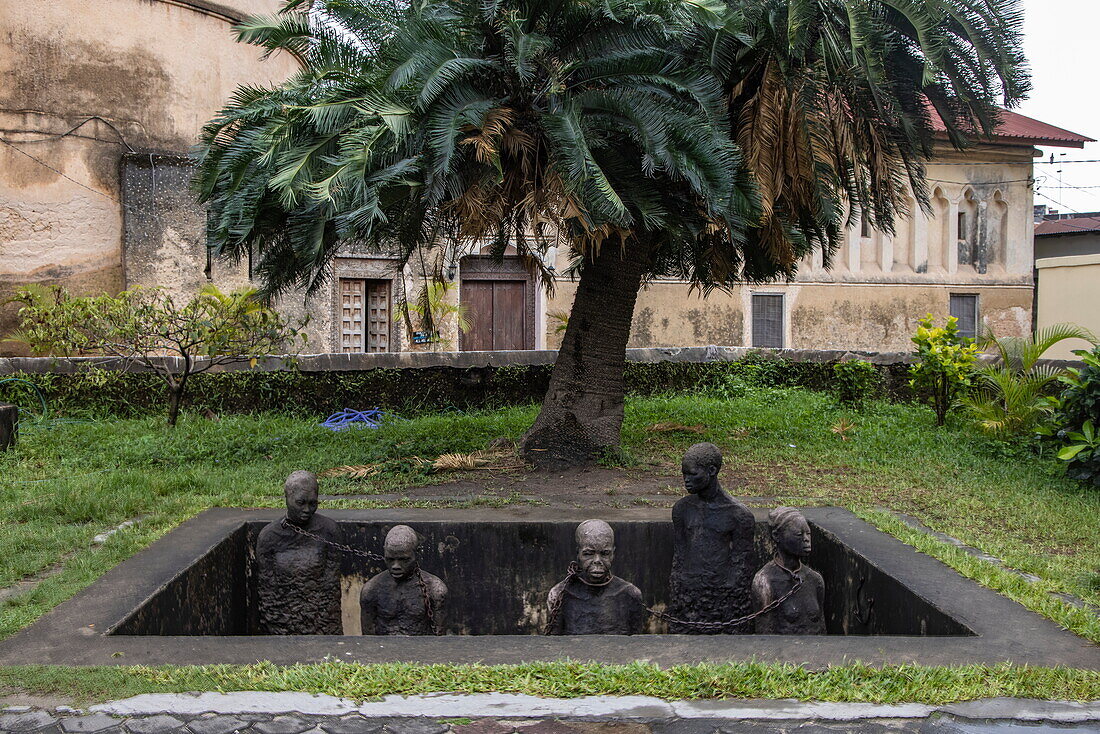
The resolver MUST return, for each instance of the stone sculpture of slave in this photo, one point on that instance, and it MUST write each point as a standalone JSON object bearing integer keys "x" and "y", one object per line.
{"x": 403, "y": 599}
{"x": 592, "y": 600}
{"x": 801, "y": 613}
{"x": 298, "y": 573}
{"x": 713, "y": 557}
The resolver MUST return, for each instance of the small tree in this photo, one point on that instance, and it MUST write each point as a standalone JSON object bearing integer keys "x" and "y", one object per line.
{"x": 1013, "y": 396}
{"x": 945, "y": 364}
{"x": 141, "y": 326}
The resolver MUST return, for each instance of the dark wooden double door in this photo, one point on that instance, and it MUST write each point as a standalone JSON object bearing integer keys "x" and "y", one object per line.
{"x": 498, "y": 313}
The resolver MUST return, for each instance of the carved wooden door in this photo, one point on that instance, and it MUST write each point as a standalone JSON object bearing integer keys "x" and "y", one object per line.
{"x": 365, "y": 315}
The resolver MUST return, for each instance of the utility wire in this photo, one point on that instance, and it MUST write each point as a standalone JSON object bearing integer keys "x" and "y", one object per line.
{"x": 41, "y": 162}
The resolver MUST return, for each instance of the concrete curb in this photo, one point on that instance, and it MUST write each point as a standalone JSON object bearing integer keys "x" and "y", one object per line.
{"x": 617, "y": 708}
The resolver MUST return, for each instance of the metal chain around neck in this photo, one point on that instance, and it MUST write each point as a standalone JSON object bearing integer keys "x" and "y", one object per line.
{"x": 573, "y": 572}
{"x": 429, "y": 610}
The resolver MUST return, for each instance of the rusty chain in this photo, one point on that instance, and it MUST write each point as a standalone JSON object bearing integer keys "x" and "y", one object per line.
{"x": 341, "y": 546}
{"x": 574, "y": 573}
{"x": 428, "y": 607}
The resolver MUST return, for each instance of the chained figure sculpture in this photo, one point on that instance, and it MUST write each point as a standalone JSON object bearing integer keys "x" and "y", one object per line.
{"x": 298, "y": 572}
{"x": 801, "y": 612}
{"x": 592, "y": 600}
{"x": 403, "y": 599}
{"x": 713, "y": 558}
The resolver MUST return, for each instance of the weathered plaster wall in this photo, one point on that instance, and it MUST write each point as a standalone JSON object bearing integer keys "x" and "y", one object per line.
{"x": 819, "y": 316}
{"x": 153, "y": 70}
{"x": 164, "y": 240}
{"x": 1069, "y": 292}
{"x": 874, "y": 288}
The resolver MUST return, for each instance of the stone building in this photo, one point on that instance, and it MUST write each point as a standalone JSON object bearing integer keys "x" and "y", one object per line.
{"x": 83, "y": 84}
{"x": 105, "y": 99}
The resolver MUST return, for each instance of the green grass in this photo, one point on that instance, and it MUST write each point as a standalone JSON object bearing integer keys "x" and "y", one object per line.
{"x": 66, "y": 483}
{"x": 851, "y": 683}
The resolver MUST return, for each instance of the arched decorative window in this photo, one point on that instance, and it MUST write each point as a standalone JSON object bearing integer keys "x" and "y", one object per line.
{"x": 938, "y": 229}
{"x": 997, "y": 247}
{"x": 968, "y": 229}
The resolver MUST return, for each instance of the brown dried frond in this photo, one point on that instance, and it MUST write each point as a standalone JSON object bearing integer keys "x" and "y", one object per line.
{"x": 674, "y": 427}
{"x": 360, "y": 471}
{"x": 842, "y": 428}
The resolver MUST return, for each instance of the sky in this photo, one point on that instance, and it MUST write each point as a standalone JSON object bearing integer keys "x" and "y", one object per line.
{"x": 1062, "y": 42}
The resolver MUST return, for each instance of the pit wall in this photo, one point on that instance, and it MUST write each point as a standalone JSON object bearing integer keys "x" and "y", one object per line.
{"x": 498, "y": 575}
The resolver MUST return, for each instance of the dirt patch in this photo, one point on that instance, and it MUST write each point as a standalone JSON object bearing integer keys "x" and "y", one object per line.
{"x": 655, "y": 484}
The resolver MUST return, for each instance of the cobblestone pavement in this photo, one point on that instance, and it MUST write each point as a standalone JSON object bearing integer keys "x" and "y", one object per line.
{"x": 995, "y": 716}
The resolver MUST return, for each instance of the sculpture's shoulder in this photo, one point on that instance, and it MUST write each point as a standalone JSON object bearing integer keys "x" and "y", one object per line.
{"x": 557, "y": 592}
{"x": 762, "y": 581}
{"x": 325, "y": 527}
{"x": 376, "y": 585}
{"x": 738, "y": 510}
{"x": 811, "y": 577}
{"x": 625, "y": 588}
{"x": 270, "y": 534}
{"x": 437, "y": 589}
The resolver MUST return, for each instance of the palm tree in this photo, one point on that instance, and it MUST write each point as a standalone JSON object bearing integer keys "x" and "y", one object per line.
{"x": 1011, "y": 396}
{"x": 604, "y": 126}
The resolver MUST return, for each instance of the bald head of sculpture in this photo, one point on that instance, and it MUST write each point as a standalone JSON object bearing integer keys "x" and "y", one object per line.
{"x": 700, "y": 467}
{"x": 300, "y": 491}
{"x": 595, "y": 551}
{"x": 400, "y": 551}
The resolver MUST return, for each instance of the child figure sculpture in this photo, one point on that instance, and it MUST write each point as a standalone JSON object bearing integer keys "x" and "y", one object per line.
{"x": 592, "y": 601}
{"x": 403, "y": 599}
{"x": 800, "y": 613}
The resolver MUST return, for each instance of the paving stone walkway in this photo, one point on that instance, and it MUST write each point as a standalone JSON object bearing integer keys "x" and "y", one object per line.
{"x": 295, "y": 713}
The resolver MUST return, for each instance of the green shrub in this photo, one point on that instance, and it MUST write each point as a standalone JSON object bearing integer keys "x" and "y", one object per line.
{"x": 1015, "y": 396}
{"x": 1077, "y": 420}
{"x": 945, "y": 364}
{"x": 101, "y": 393}
{"x": 855, "y": 382}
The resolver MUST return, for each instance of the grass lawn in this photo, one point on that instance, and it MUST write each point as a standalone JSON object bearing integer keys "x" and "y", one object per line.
{"x": 67, "y": 482}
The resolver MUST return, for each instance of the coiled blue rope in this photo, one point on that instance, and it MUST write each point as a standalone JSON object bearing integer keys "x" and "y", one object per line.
{"x": 349, "y": 418}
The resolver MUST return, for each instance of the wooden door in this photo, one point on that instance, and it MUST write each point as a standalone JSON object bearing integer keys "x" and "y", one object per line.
{"x": 497, "y": 310}
{"x": 378, "y": 316}
{"x": 365, "y": 315}
{"x": 351, "y": 308}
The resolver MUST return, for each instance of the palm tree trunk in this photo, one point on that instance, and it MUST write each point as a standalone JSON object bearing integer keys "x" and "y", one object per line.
{"x": 582, "y": 413}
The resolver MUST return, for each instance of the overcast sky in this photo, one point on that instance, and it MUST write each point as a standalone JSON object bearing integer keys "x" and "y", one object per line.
{"x": 1063, "y": 47}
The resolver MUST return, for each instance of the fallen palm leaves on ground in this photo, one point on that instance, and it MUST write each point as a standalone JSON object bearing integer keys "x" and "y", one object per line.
{"x": 443, "y": 463}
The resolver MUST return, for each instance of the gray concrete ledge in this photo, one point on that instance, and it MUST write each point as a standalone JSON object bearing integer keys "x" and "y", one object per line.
{"x": 336, "y": 362}
{"x": 618, "y": 708}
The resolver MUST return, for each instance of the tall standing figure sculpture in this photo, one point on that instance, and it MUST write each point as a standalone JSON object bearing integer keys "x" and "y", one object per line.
{"x": 403, "y": 599}
{"x": 298, "y": 571}
{"x": 712, "y": 561}
{"x": 592, "y": 600}
{"x": 801, "y": 612}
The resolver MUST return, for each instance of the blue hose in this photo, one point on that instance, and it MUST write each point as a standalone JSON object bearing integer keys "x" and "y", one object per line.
{"x": 349, "y": 418}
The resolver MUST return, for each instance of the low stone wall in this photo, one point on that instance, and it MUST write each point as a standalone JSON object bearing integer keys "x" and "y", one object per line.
{"x": 415, "y": 382}
{"x": 335, "y": 362}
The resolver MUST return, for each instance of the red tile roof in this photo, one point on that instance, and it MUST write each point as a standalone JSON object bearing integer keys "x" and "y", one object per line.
{"x": 1055, "y": 227}
{"x": 1019, "y": 128}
